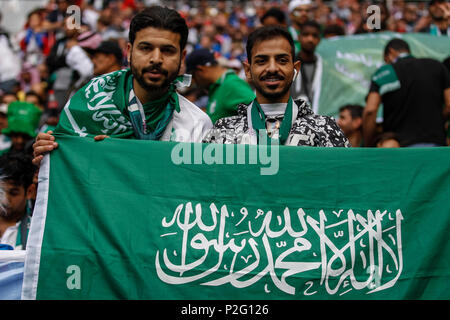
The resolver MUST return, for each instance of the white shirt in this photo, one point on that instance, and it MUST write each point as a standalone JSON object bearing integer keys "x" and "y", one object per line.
{"x": 274, "y": 109}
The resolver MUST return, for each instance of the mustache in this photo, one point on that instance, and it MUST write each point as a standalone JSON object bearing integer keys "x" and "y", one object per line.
{"x": 276, "y": 76}
{"x": 155, "y": 68}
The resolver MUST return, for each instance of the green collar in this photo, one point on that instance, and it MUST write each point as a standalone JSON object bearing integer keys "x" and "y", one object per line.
{"x": 259, "y": 122}
{"x": 150, "y": 120}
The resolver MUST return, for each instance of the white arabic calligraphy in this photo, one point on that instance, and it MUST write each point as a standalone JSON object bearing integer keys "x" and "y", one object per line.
{"x": 353, "y": 251}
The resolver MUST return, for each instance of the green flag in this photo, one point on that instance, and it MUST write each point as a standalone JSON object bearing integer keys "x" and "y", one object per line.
{"x": 349, "y": 62}
{"x": 132, "y": 219}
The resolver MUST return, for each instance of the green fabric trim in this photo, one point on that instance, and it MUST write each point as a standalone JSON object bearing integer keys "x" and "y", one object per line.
{"x": 386, "y": 79}
{"x": 259, "y": 122}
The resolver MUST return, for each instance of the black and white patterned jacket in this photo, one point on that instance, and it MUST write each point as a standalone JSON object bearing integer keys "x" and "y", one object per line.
{"x": 308, "y": 129}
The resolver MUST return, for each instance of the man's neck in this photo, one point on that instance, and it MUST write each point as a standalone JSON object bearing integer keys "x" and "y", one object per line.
{"x": 216, "y": 73}
{"x": 307, "y": 56}
{"x": 113, "y": 68}
{"x": 263, "y": 100}
{"x": 145, "y": 96}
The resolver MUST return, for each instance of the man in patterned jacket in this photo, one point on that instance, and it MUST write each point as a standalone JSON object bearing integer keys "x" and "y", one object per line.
{"x": 273, "y": 115}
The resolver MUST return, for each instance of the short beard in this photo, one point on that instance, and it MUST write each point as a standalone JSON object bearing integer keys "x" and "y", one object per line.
{"x": 8, "y": 215}
{"x": 154, "y": 90}
{"x": 272, "y": 96}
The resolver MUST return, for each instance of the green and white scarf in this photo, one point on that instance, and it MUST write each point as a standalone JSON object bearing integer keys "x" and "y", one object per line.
{"x": 107, "y": 105}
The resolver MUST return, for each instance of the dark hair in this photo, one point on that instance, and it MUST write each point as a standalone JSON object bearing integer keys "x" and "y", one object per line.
{"x": 275, "y": 12}
{"x": 356, "y": 111}
{"x": 268, "y": 33}
{"x": 34, "y": 93}
{"x": 397, "y": 45}
{"x": 333, "y": 29}
{"x": 17, "y": 168}
{"x": 312, "y": 24}
{"x": 160, "y": 18}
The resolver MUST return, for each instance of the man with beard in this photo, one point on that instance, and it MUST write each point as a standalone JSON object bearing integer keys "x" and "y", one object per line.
{"x": 140, "y": 102}
{"x": 271, "y": 70}
{"x": 300, "y": 11}
{"x": 18, "y": 188}
{"x": 439, "y": 11}
{"x": 307, "y": 85}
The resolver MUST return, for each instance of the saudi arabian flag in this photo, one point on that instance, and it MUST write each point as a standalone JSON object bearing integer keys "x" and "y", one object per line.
{"x": 348, "y": 63}
{"x": 131, "y": 219}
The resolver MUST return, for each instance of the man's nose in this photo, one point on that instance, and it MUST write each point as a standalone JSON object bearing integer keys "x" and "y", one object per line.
{"x": 156, "y": 56}
{"x": 272, "y": 66}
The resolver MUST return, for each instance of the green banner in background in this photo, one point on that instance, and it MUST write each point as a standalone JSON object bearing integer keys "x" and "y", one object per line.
{"x": 350, "y": 61}
{"x": 127, "y": 220}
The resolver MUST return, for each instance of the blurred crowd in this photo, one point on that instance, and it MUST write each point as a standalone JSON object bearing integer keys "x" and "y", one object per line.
{"x": 55, "y": 53}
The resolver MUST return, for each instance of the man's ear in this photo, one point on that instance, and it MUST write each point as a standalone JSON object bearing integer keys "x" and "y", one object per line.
{"x": 129, "y": 48}
{"x": 248, "y": 74}
{"x": 31, "y": 192}
{"x": 183, "y": 63}
{"x": 297, "y": 65}
{"x": 296, "y": 69}
{"x": 357, "y": 123}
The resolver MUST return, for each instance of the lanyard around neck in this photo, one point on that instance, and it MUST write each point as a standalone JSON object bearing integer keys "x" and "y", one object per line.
{"x": 259, "y": 122}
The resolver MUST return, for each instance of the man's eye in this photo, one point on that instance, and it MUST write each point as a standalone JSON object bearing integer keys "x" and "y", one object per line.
{"x": 168, "y": 50}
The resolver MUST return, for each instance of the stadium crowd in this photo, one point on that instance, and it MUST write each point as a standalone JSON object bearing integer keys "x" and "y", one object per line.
{"x": 52, "y": 57}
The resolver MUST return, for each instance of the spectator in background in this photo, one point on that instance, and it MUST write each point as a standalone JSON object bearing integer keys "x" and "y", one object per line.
{"x": 410, "y": 18}
{"x": 307, "y": 82}
{"x": 300, "y": 11}
{"x": 225, "y": 89}
{"x": 439, "y": 12}
{"x": 9, "y": 97}
{"x": 387, "y": 140}
{"x": 274, "y": 17}
{"x": 106, "y": 58}
{"x": 350, "y": 121}
{"x": 51, "y": 120}
{"x": 29, "y": 77}
{"x": 3, "y": 116}
{"x": 333, "y": 30}
{"x": 34, "y": 98}
{"x": 413, "y": 92}
{"x": 17, "y": 173}
{"x": 5, "y": 141}
{"x": 69, "y": 64}
{"x": 78, "y": 59}
{"x": 34, "y": 40}
{"x": 54, "y": 20}
{"x": 23, "y": 122}
{"x": 9, "y": 62}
